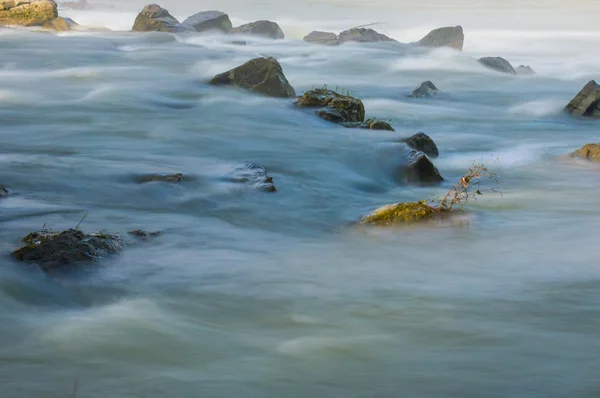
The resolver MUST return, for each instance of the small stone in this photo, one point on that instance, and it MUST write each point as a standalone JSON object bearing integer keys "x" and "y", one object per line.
{"x": 426, "y": 89}
{"x": 498, "y": 64}
{"x": 178, "y": 177}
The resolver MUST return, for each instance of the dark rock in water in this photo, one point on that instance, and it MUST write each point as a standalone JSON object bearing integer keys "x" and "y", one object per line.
{"x": 178, "y": 177}
{"x": 261, "y": 75}
{"x": 253, "y": 175}
{"x": 451, "y": 36}
{"x": 155, "y": 18}
{"x": 498, "y": 64}
{"x": 586, "y": 102}
{"x": 3, "y": 191}
{"x": 144, "y": 235}
{"x": 589, "y": 152}
{"x": 363, "y": 35}
{"x": 525, "y": 70}
{"x": 239, "y": 43}
{"x": 370, "y": 124}
{"x": 426, "y": 89}
{"x": 260, "y": 28}
{"x": 27, "y": 12}
{"x": 317, "y": 37}
{"x": 422, "y": 142}
{"x": 209, "y": 20}
{"x": 336, "y": 108}
{"x": 61, "y": 24}
{"x": 55, "y": 250}
{"x": 420, "y": 170}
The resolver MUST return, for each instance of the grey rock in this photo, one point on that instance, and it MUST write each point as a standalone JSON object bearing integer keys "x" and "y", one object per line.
{"x": 498, "y": 64}
{"x": 419, "y": 169}
{"x": 363, "y": 35}
{"x": 178, "y": 177}
{"x": 423, "y": 143}
{"x": 426, "y": 89}
{"x": 525, "y": 70}
{"x": 154, "y": 18}
{"x": 260, "y": 75}
{"x": 209, "y": 20}
{"x": 317, "y": 37}
{"x": 586, "y": 102}
{"x": 451, "y": 36}
{"x": 260, "y": 28}
{"x": 254, "y": 176}
{"x": 144, "y": 235}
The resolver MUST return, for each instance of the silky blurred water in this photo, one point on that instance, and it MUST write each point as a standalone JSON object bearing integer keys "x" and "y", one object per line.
{"x": 269, "y": 295}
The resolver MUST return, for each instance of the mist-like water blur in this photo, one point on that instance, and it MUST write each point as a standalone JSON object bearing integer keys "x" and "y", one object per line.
{"x": 257, "y": 295}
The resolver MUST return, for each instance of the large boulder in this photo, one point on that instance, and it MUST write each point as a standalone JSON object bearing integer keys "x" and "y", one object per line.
{"x": 363, "y": 35}
{"x": 422, "y": 142}
{"x": 27, "y": 12}
{"x": 61, "y": 24}
{"x": 254, "y": 176}
{"x": 498, "y": 64}
{"x": 586, "y": 102}
{"x": 55, "y": 250}
{"x": 589, "y": 152}
{"x": 451, "y": 36}
{"x": 334, "y": 107}
{"x": 154, "y": 18}
{"x": 317, "y": 37}
{"x": 209, "y": 20}
{"x": 426, "y": 89}
{"x": 525, "y": 70}
{"x": 260, "y": 28}
{"x": 261, "y": 75}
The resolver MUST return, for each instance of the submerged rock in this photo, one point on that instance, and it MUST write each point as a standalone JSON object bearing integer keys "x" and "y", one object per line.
{"x": 370, "y": 124}
{"x": 144, "y": 235}
{"x": 363, "y": 35}
{"x": 335, "y": 107}
{"x": 418, "y": 169}
{"x": 253, "y": 175}
{"x": 61, "y": 24}
{"x": 317, "y": 37}
{"x": 422, "y": 142}
{"x": 525, "y": 70}
{"x": 451, "y": 36}
{"x": 154, "y": 18}
{"x": 27, "y": 12}
{"x": 586, "y": 102}
{"x": 260, "y": 28}
{"x": 498, "y": 64}
{"x": 426, "y": 89}
{"x": 55, "y": 250}
{"x": 403, "y": 213}
{"x": 3, "y": 191}
{"x": 589, "y": 152}
{"x": 261, "y": 75}
{"x": 178, "y": 177}
{"x": 209, "y": 20}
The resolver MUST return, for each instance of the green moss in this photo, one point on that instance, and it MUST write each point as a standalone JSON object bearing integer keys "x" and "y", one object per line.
{"x": 403, "y": 213}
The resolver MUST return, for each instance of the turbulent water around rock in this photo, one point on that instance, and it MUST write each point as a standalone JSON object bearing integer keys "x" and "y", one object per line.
{"x": 247, "y": 293}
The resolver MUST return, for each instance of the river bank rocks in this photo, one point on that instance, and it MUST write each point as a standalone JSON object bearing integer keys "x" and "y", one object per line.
{"x": 27, "y": 12}
{"x": 425, "y": 90}
{"x": 586, "y": 102}
{"x": 209, "y": 21}
{"x": 254, "y": 176}
{"x": 422, "y": 142}
{"x": 260, "y": 75}
{"x": 498, "y": 64}
{"x": 334, "y": 107}
{"x": 266, "y": 29}
{"x": 589, "y": 152}
{"x": 450, "y": 36}
{"x": 56, "y": 250}
{"x": 154, "y": 18}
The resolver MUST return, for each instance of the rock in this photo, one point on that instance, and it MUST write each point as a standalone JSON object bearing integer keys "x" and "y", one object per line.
{"x": 586, "y": 102}
{"x": 209, "y": 20}
{"x": 370, "y": 124}
{"x": 451, "y": 36}
{"x": 239, "y": 43}
{"x": 61, "y": 24}
{"x": 178, "y": 177}
{"x": 498, "y": 64}
{"x": 154, "y": 18}
{"x": 426, "y": 89}
{"x": 254, "y": 176}
{"x": 589, "y": 152}
{"x": 336, "y": 108}
{"x": 27, "y": 12}
{"x": 55, "y": 250}
{"x": 76, "y": 5}
{"x": 143, "y": 235}
{"x": 403, "y": 213}
{"x": 260, "y": 28}
{"x": 525, "y": 70}
{"x": 260, "y": 75}
{"x": 317, "y": 37}
{"x": 418, "y": 169}
{"x": 3, "y": 191}
{"x": 422, "y": 142}
{"x": 363, "y": 35}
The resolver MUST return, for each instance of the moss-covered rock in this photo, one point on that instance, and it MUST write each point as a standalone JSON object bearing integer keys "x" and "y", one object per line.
{"x": 335, "y": 107}
{"x": 61, "y": 24}
{"x": 450, "y": 36}
{"x": 55, "y": 250}
{"x": 154, "y": 18}
{"x": 589, "y": 152}
{"x": 422, "y": 142}
{"x": 261, "y": 75}
{"x": 370, "y": 124}
{"x": 266, "y": 29}
{"x": 27, "y": 12}
{"x": 403, "y": 213}
{"x": 586, "y": 102}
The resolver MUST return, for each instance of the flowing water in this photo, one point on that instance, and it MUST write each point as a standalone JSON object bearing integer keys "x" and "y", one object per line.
{"x": 277, "y": 295}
